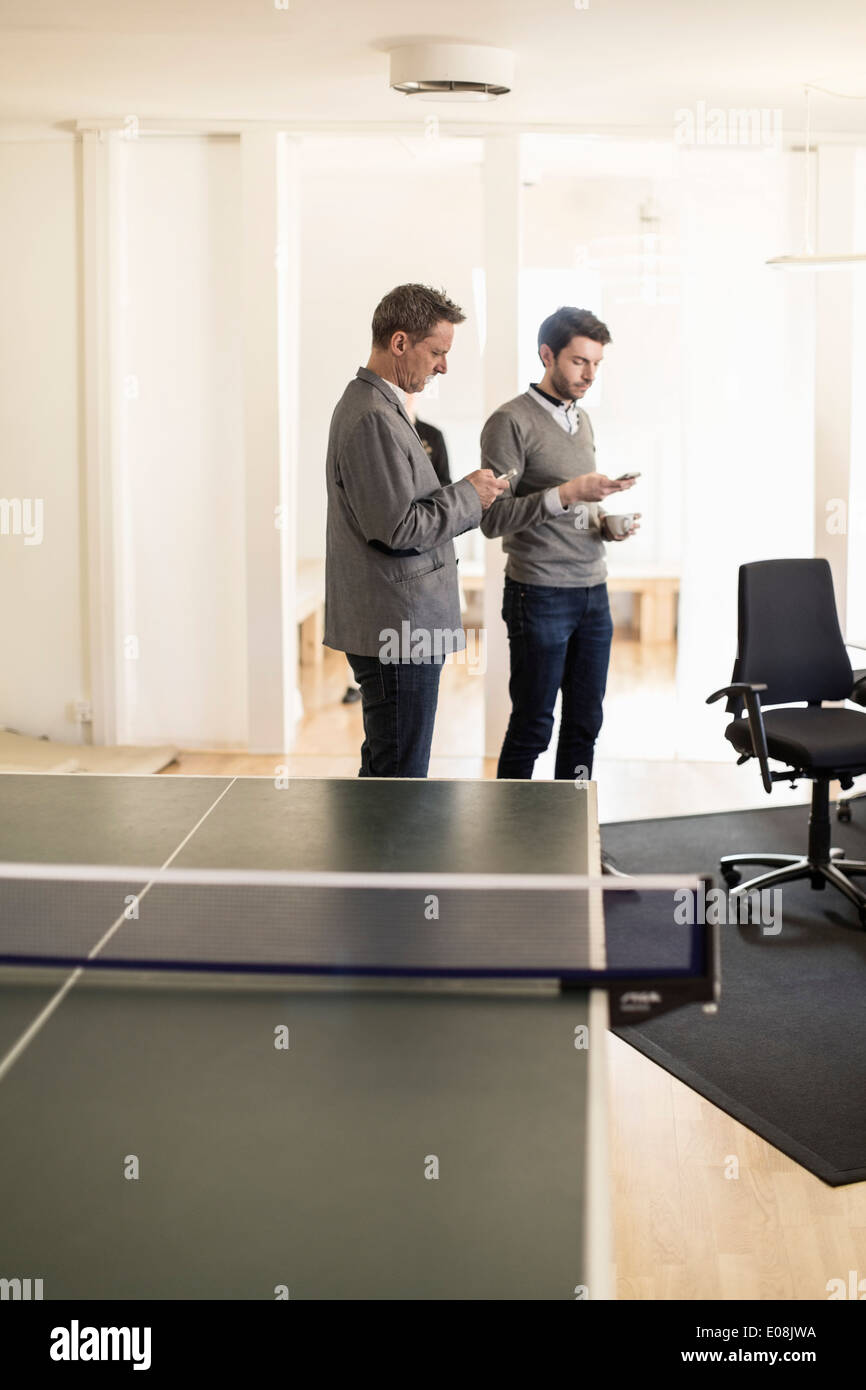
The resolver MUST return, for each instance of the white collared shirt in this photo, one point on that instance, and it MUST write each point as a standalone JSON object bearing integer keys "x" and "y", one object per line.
{"x": 565, "y": 414}
{"x": 401, "y": 398}
{"x": 398, "y": 392}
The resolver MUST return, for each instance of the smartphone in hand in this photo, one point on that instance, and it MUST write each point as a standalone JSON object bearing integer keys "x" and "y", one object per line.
{"x": 626, "y": 477}
{"x": 510, "y": 474}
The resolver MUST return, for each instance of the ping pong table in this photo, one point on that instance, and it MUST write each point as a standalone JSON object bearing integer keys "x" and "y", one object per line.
{"x": 373, "y": 1113}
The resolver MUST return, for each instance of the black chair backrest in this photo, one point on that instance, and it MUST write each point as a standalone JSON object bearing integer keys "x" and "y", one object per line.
{"x": 789, "y": 636}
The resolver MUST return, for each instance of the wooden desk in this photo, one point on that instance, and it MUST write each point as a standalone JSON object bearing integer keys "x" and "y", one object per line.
{"x": 657, "y": 597}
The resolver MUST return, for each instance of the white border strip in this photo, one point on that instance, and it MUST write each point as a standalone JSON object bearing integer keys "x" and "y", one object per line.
{"x": 597, "y": 937}
{"x": 310, "y": 878}
{"x": 598, "y": 1240}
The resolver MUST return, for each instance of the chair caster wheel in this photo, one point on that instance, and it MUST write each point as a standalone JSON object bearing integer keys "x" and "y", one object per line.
{"x": 732, "y": 877}
{"x": 843, "y": 813}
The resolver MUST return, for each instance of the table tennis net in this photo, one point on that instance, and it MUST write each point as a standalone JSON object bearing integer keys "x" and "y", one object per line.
{"x": 423, "y": 924}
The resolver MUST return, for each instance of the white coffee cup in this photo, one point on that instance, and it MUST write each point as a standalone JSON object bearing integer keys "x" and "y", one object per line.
{"x": 620, "y": 525}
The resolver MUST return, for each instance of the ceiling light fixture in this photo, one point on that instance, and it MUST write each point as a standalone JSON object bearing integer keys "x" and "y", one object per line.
{"x": 452, "y": 71}
{"x": 809, "y": 259}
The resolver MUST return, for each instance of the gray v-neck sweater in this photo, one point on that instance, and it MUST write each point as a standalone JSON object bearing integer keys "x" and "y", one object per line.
{"x": 565, "y": 550}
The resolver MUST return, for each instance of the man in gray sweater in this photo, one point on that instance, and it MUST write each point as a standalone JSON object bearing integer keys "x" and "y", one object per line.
{"x": 392, "y": 602}
{"x": 555, "y": 603}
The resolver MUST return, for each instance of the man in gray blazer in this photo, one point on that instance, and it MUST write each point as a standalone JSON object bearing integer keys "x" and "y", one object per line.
{"x": 391, "y": 598}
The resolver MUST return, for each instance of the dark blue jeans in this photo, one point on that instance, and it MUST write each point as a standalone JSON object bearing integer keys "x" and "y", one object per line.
{"x": 398, "y": 702}
{"x": 560, "y": 640}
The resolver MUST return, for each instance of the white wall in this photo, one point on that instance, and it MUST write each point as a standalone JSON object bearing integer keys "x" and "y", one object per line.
{"x": 42, "y": 670}
{"x": 747, "y": 377}
{"x": 182, "y": 558}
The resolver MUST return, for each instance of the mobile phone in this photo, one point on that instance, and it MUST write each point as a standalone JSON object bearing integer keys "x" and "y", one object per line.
{"x": 626, "y": 477}
{"x": 512, "y": 472}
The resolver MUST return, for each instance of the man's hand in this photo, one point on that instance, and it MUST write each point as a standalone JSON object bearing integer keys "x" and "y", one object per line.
{"x": 488, "y": 485}
{"x": 610, "y": 535}
{"x": 592, "y": 487}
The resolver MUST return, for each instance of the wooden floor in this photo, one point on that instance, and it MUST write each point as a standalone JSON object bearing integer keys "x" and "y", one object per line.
{"x": 704, "y": 1209}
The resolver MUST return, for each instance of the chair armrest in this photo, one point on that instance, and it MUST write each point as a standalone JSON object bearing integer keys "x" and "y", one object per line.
{"x": 740, "y": 688}
{"x": 750, "y": 692}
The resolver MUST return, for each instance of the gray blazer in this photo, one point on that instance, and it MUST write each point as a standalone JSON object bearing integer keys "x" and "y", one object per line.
{"x": 390, "y": 558}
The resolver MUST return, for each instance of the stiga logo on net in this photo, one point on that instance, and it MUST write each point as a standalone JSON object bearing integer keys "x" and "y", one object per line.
{"x": 76, "y": 1343}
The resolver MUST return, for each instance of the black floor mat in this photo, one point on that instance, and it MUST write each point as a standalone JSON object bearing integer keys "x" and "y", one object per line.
{"x": 786, "y": 1054}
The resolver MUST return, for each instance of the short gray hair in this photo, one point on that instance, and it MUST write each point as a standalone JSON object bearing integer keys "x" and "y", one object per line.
{"x": 413, "y": 309}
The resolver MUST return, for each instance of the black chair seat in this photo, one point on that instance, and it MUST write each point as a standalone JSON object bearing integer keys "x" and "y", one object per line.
{"x": 812, "y": 737}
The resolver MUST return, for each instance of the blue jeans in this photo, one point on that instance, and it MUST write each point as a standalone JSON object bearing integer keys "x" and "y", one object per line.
{"x": 398, "y": 702}
{"x": 560, "y": 640}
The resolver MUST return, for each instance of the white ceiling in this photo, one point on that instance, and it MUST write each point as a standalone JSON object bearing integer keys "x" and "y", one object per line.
{"x": 617, "y": 63}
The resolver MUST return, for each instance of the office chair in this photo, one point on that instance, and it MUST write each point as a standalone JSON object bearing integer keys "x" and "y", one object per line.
{"x": 790, "y": 652}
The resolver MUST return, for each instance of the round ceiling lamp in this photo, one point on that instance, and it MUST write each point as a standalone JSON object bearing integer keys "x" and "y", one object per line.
{"x": 452, "y": 71}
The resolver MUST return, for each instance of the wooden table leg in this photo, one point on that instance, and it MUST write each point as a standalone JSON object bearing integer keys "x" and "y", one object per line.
{"x": 658, "y": 613}
{"x": 311, "y": 652}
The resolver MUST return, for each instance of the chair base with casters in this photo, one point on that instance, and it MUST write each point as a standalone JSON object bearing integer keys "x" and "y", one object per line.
{"x": 820, "y": 865}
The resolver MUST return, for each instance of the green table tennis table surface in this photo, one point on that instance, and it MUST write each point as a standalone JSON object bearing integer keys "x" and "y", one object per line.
{"x": 414, "y": 1140}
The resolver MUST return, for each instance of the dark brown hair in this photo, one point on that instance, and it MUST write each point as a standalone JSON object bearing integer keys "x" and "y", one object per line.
{"x": 413, "y": 309}
{"x": 558, "y": 329}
